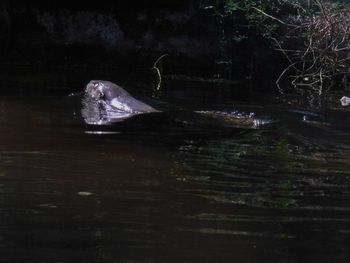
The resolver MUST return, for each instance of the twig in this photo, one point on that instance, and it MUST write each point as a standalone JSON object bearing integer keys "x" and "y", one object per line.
{"x": 159, "y": 74}
{"x": 272, "y": 17}
{"x": 282, "y": 74}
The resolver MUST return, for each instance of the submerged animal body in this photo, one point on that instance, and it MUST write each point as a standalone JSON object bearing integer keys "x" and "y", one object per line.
{"x": 116, "y": 97}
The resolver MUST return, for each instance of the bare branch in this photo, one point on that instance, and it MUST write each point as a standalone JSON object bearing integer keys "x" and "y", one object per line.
{"x": 272, "y": 17}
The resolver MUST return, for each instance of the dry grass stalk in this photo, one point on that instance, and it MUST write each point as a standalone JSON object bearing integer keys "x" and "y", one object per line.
{"x": 323, "y": 58}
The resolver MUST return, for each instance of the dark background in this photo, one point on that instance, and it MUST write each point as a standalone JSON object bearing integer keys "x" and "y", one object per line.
{"x": 129, "y": 34}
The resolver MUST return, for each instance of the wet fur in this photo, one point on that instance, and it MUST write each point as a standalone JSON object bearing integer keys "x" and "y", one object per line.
{"x": 116, "y": 97}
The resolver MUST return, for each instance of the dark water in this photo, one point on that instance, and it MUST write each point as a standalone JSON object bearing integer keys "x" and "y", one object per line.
{"x": 70, "y": 192}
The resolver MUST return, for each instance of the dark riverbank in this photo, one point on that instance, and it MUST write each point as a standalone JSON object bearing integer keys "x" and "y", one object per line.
{"x": 119, "y": 35}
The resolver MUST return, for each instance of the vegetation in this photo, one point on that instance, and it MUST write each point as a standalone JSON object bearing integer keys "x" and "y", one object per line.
{"x": 317, "y": 47}
{"x": 313, "y": 36}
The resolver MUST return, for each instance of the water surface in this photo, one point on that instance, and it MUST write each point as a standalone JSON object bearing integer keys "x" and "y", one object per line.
{"x": 155, "y": 191}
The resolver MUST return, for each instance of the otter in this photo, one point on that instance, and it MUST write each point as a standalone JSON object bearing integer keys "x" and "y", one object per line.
{"x": 345, "y": 101}
{"x": 106, "y": 103}
{"x": 116, "y": 97}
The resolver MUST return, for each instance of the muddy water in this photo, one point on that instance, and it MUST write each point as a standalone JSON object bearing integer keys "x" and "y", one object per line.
{"x": 70, "y": 192}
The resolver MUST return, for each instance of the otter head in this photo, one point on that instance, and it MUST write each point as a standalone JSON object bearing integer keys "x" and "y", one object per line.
{"x": 115, "y": 96}
{"x": 105, "y": 90}
{"x": 95, "y": 89}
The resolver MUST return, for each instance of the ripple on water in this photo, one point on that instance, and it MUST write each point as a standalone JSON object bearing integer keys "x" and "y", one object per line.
{"x": 67, "y": 195}
{"x": 267, "y": 172}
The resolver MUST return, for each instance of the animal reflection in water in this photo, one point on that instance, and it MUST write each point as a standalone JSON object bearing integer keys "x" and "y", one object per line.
{"x": 106, "y": 103}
